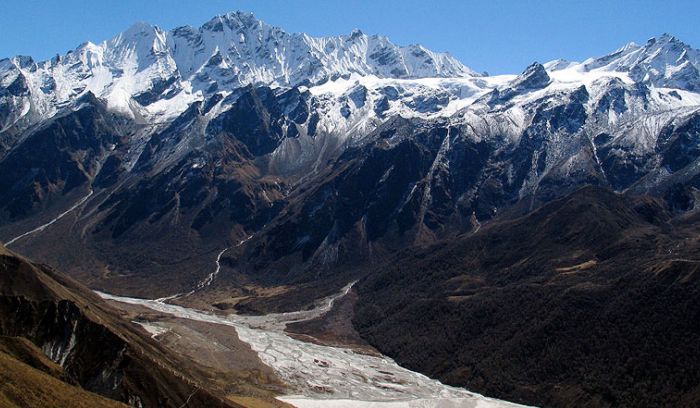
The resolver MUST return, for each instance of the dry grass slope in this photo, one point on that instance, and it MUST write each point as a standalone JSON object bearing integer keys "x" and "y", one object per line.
{"x": 23, "y": 386}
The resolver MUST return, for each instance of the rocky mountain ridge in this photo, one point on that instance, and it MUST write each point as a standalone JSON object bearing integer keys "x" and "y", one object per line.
{"x": 186, "y": 142}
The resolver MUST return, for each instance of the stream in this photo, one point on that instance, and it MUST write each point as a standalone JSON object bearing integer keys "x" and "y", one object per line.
{"x": 324, "y": 376}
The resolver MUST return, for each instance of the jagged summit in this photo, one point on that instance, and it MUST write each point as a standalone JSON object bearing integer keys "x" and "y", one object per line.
{"x": 534, "y": 77}
{"x": 138, "y": 27}
{"x": 261, "y": 53}
{"x": 663, "y": 61}
{"x": 147, "y": 72}
{"x": 146, "y": 64}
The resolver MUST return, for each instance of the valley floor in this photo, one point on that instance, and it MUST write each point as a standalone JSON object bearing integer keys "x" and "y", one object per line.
{"x": 319, "y": 375}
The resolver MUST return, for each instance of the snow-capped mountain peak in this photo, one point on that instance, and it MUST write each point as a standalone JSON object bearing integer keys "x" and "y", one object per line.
{"x": 263, "y": 54}
{"x": 664, "y": 61}
{"x": 145, "y": 64}
{"x": 534, "y": 77}
{"x": 155, "y": 75}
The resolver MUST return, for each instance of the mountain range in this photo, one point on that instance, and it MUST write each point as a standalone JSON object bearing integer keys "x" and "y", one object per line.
{"x": 239, "y": 167}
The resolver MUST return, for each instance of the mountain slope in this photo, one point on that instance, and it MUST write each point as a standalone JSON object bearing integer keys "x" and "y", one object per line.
{"x": 237, "y": 166}
{"x": 590, "y": 300}
{"x": 143, "y": 158}
{"x": 89, "y": 343}
{"x": 26, "y": 386}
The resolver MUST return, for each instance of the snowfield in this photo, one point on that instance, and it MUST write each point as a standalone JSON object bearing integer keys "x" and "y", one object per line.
{"x": 323, "y": 376}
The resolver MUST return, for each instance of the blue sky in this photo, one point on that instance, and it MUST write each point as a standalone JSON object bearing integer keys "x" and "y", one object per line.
{"x": 497, "y": 36}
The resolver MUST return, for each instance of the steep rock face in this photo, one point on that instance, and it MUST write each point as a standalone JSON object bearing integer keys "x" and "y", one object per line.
{"x": 13, "y": 103}
{"x": 30, "y": 379}
{"x": 94, "y": 348}
{"x": 365, "y": 195}
{"x": 534, "y": 77}
{"x": 63, "y": 155}
{"x": 412, "y": 184}
{"x": 256, "y": 119}
{"x": 65, "y": 336}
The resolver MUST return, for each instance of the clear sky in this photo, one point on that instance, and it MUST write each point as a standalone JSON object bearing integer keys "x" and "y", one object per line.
{"x": 497, "y": 36}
